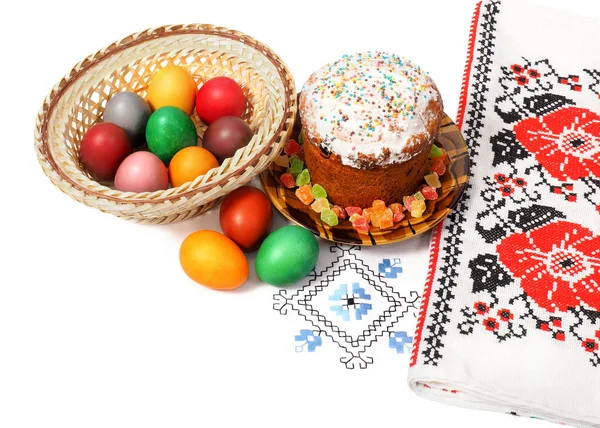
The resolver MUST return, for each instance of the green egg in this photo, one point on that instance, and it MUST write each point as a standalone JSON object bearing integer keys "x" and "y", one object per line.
{"x": 286, "y": 256}
{"x": 169, "y": 130}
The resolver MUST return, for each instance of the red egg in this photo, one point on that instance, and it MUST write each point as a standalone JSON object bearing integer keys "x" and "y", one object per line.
{"x": 103, "y": 148}
{"x": 246, "y": 217}
{"x": 220, "y": 96}
{"x": 142, "y": 172}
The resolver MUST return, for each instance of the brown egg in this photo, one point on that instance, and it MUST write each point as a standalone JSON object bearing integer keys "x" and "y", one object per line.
{"x": 225, "y": 136}
{"x": 246, "y": 217}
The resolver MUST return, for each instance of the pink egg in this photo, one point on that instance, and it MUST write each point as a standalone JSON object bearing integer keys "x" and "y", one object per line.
{"x": 142, "y": 172}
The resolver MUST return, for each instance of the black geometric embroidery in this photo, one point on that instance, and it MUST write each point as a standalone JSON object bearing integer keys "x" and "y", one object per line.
{"x": 454, "y": 229}
{"x": 506, "y": 109}
{"x": 506, "y": 148}
{"x": 539, "y": 105}
{"x": 534, "y": 216}
{"x": 595, "y": 85}
{"x": 487, "y": 274}
{"x": 355, "y": 346}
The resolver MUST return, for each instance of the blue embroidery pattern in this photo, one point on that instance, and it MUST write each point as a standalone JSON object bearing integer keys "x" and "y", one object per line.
{"x": 389, "y": 269}
{"x": 398, "y": 340}
{"x": 353, "y": 300}
{"x": 307, "y": 340}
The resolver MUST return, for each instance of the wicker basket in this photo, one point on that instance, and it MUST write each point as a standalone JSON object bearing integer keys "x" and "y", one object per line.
{"x": 77, "y": 102}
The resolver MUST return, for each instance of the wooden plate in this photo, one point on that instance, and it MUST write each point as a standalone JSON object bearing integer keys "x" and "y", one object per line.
{"x": 453, "y": 182}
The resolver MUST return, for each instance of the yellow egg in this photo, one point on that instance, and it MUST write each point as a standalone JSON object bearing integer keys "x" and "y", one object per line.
{"x": 213, "y": 260}
{"x": 172, "y": 86}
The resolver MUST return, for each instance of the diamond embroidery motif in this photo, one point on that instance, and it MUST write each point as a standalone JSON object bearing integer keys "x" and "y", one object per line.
{"x": 349, "y": 304}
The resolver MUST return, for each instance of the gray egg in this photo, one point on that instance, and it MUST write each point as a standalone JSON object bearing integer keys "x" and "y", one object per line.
{"x": 130, "y": 112}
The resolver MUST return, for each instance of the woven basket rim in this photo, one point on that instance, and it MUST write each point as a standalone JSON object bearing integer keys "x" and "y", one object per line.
{"x": 141, "y": 37}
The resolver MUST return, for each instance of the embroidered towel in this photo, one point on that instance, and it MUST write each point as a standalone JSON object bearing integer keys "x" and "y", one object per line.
{"x": 510, "y": 317}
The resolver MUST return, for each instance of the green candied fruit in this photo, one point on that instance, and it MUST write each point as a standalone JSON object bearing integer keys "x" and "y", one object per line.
{"x": 419, "y": 196}
{"x": 296, "y": 166}
{"x": 329, "y": 217}
{"x": 303, "y": 178}
{"x": 300, "y": 138}
{"x": 318, "y": 191}
{"x": 435, "y": 152}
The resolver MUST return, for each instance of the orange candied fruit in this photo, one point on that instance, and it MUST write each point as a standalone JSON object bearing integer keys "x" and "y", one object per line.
{"x": 304, "y": 193}
{"x": 387, "y": 220}
{"x": 379, "y": 206}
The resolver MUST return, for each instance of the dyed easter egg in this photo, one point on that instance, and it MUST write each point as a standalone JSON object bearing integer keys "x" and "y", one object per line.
{"x": 225, "y": 136}
{"x": 213, "y": 260}
{"x": 172, "y": 86}
{"x": 103, "y": 148}
{"x": 169, "y": 130}
{"x": 220, "y": 96}
{"x": 287, "y": 255}
{"x": 142, "y": 172}
{"x": 246, "y": 217}
{"x": 189, "y": 163}
{"x": 130, "y": 112}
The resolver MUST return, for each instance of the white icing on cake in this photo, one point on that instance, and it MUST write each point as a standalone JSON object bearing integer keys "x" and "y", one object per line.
{"x": 369, "y": 104}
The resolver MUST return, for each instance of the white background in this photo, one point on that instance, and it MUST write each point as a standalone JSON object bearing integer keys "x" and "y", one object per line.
{"x": 98, "y": 324}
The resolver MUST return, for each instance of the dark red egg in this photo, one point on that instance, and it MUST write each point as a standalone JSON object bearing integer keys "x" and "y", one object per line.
{"x": 220, "y": 96}
{"x": 103, "y": 147}
{"x": 246, "y": 217}
{"x": 225, "y": 136}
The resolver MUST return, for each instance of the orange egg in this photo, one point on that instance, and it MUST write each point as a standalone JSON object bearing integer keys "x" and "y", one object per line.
{"x": 189, "y": 163}
{"x": 172, "y": 86}
{"x": 213, "y": 260}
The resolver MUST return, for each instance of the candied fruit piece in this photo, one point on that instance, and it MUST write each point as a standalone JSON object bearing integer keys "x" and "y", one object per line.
{"x": 376, "y": 219}
{"x": 304, "y": 193}
{"x": 368, "y": 213}
{"x": 283, "y": 161}
{"x": 329, "y": 217}
{"x": 354, "y": 217}
{"x": 419, "y": 196}
{"x": 438, "y": 167}
{"x": 339, "y": 211}
{"x": 300, "y": 153}
{"x": 378, "y": 206}
{"x": 429, "y": 193}
{"x": 319, "y": 205}
{"x": 417, "y": 208}
{"x": 433, "y": 180}
{"x": 303, "y": 178}
{"x": 398, "y": 217}
{"x": 300, "y": 138}
{"x": 291, "y": 148}
{"x": 360, "y": 224}
{"x": 354, "y": 210}
{"x": 296, "y": 166}
{"x": 288, "y": 180}
{"x": 435, "y": 152}
{"x": 396, "y": 208}
{"x": 319, "y": 191}
{"x": 387, "y": 220}
{"x": 407, "y": 201}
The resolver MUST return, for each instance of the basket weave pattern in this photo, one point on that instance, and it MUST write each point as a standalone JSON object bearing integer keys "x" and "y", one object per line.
{"x": 77, "y": 102}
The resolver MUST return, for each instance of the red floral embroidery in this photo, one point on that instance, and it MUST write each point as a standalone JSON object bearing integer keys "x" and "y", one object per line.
{"x": 558, "y": 265}
{"x": 560, "y": 336}
{"x": 566, "y": 142}
{"x": 491, "y": 324}
{"x": 590, "y": 345}
{"x": 505, "y": 315}
{"x": 481, "y": 308}
{"x": 523, "y": 73}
